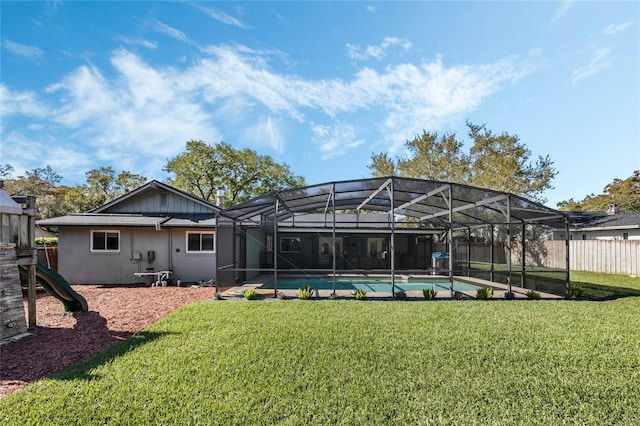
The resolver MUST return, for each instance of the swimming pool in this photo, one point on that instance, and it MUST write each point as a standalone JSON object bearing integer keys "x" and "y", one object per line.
{"x": 371, "y": 284}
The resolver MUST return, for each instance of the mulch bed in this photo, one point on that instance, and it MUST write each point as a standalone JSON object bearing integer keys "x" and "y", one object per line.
{"x": 61, "y": 339}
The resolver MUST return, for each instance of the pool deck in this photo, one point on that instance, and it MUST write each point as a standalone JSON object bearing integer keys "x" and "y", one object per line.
{"x": 499, "y": 290}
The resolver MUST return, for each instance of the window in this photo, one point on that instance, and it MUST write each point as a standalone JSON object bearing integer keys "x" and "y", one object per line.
{"x": 200, "y": 242}
{"x": 289, "y": 245}
{"x": 625, "y": 235}
{"x": 105, "y": 241}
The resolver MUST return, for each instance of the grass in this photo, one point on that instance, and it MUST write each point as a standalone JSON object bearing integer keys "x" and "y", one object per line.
{"x": 606, "y": 286}
{"x": 341, "y": 362}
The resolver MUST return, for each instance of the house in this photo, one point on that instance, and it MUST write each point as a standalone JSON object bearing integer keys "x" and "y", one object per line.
{"x": 153, "y": 228}
{"x": 388, "y": 226}
{"x": 609, "y": 225}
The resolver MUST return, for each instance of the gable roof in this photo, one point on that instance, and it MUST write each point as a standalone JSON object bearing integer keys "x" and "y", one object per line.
{"x": 154, "y": 185}
{"x": 597, "y": 221}
{"x": 139, "y": 208}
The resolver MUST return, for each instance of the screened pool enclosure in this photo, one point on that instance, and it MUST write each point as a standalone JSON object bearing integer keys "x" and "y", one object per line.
{"x": 394, "y": 227}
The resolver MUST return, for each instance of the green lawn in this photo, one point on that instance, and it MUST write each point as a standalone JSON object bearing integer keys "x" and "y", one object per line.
{"x": 606, "y": 286}
{"x": 348, "y": 362}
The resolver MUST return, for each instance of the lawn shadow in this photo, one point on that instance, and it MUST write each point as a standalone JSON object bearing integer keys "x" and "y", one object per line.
{"x": 605, "y": 292}
{"x": 54, "y": 350}
{"x": 83, "y": 369}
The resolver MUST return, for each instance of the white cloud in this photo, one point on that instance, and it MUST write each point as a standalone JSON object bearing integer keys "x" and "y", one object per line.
{"x": 370, "y": 8}
{"x": 62, "y": 157}
{"x": 222, "y": 17}
{"x": 561, "y": 11}
{"x": 336, "y": 140}
{"x": 614, "y": 29}
{"x": 266, "y": 131}
{"x": 141, "y": 114}
{"x": 357, "y": 53}
{"x": 20, "y": 103}
{"x": 151, "y": 45}
{"x": 148, "y": 112}
{"x": 599, "y": 62}
{"x": 29, "y": 52}
{"x": 170, "y": 31}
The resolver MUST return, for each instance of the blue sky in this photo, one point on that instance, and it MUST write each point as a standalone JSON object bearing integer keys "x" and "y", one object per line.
{"x": 318, "y": 85}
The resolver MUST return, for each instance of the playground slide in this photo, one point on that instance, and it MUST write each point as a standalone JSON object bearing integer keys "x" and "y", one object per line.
{"x": 55, "y": 284}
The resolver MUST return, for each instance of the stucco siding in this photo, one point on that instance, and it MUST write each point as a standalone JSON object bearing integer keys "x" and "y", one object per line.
{"x": 79, "y": 265}
{"x": 190, "y": 267}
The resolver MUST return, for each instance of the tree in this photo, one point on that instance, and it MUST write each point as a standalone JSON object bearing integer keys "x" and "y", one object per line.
{"x": 434, "y": 158}
{"x": 101, "y": 187}
{"x": 36, "y": 182}
{"x": 498, "y": 162}
{"x": 623, "y": 193}
{"x": 5, "y": 171}
{"x": 244, "y": 174}
{"x": 382, "y": 165}
{"x": 39, "y": 182}
{"x": 501, "y": 162}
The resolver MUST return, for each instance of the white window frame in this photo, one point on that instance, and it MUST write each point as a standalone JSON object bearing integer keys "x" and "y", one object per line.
{"x": 105, "y": 232}
{"x": 200, "y": 233}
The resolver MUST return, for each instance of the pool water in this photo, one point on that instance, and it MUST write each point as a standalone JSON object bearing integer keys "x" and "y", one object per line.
{"x": 371, "y": 284}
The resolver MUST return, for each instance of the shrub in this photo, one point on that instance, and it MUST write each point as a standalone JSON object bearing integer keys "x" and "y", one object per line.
{"x": 250, "y": 294}
{"x": 510, "y": 295}
{"x": 401, "y": 295}
{"x": 533, "y": 295}
{"x": 360, "y": 294}
{"x": 484, "y": 293}
{"x": 49, "y": 241}
{"x": 305, "y": 292}
{"x": 429, "y": 293}
{"x": 576, "y": 291}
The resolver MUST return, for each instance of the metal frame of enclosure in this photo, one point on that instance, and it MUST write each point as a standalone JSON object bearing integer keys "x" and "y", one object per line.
{"x": 393, "y": 226}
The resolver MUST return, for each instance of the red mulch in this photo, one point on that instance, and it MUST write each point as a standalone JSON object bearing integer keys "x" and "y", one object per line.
{"x": 61, "y": 339}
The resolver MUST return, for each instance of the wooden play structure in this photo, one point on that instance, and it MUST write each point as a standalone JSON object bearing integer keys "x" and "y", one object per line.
{"x": 17, "y": 248}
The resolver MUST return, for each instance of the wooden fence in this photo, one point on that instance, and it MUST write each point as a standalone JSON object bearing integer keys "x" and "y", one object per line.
{"x": 606, "y": 256}
{"x": 52, "y": 255}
